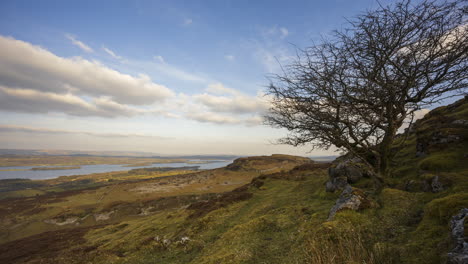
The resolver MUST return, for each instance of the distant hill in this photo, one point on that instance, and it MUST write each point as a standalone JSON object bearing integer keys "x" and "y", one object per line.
{"x": 32, "y": 152}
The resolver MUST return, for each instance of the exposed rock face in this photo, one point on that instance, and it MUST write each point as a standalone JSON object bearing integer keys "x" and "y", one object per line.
{"x": 267, "y": 163}
{"x": 346, "y": 170}
{"x": 460, "y": 122}
{"x": 433, "y": 185}
{"x": 351, "y": 198}
{"x": 459, "y": 255}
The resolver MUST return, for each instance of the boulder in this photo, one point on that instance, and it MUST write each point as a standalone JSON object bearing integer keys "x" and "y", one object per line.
{"x": 352, "y": 199}
{"x": 459, "y": 255}
{"x": 435, "y": 184}
{"x": 346, "y": 170}
{"x": 337, "y": 183}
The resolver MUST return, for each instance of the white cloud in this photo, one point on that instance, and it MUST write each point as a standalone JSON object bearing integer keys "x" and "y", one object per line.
{"x": 283, "y": 32}
{"x": 421, "y": 113}
{"x": 39, "y": 130}
{"x": 78, "y": 43}
{"x": 160, "y": 66}
{"x": 274, "y": 32}
{"x": 32, "y": 101}
{"x": 23, "y": 65}
{"x": 222, "y": 105}
{"x": 417, "y": 115}
{"x": 230, "y": 57}
{"x": 159, "y": 59}
{"x": 238, "y": 104}
{"x": 254, "y": 121}
{"x": 219, "y": 88}
{"x": 111, "y": 53}
{"x": 188, "y": 21}
{"x": 272, "y": 57}
{"x": 210, "y": 117}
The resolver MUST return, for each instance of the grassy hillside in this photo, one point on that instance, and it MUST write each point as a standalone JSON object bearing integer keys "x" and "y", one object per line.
{"x": 257, "y": 210}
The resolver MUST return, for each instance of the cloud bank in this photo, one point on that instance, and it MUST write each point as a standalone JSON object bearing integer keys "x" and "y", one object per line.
{"x": 26, "y": 66}
{"x": 34, "y": 80}
{"x": 38, "y": 130}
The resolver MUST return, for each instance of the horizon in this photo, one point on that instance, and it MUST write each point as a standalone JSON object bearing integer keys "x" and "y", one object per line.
{"x": 152, "y": 76}
{"x": 142, "y": 154}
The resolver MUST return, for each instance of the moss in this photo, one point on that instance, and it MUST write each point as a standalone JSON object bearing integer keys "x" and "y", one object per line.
{"x": 432, "y": 237}
{"x": 440, "y": 161}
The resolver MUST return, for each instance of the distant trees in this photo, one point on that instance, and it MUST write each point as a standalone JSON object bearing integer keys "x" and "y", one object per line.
{"x": 356, "y": 89}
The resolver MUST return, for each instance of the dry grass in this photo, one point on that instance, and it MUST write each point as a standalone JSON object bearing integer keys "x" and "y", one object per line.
{"x": 347, "y": 247}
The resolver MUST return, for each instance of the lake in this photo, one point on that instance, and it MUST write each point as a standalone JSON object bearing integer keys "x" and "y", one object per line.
{"x": 24, "y": 172}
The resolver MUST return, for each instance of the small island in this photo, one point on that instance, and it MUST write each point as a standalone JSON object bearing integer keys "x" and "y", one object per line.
{"x": 55, "y": 168}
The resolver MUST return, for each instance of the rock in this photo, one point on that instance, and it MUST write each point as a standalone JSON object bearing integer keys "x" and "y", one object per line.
{"x": 459, "y": 255}
{"x": 351, "y": 198}
{"x": 346, "y": 170}
{"x": 103, "y": 216}
{"x": 338, "y": 183}
{"x": 421, "y": 149}
{"x": 439, "y": 138}
{"x": 460, "y": 122}
{"x": 330, "y": 187}
{"x": 435, "y": 184}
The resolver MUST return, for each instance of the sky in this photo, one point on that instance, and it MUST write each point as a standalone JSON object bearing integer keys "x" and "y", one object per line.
{"x": 167, "y": 77}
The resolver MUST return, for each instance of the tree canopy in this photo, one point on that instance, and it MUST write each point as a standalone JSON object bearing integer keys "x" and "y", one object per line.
{"x": 355, "y": 89}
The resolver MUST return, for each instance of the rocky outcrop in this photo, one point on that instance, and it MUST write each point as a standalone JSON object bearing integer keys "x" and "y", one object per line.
{"x": 460, "y": 122}
{"x": 267, "y": 163}
{"x": 346, "y": 170}
{"x": 434, "y": 185}
{"x": 459, "y": 255}
{"x": 436, "y": 138}
{"x": 352, "y": 199}
{"x": 429, "y": 183}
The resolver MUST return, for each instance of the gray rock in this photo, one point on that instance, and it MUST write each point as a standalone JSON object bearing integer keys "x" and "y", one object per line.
{"x": 459, "y": 255}
{"x": 436, "y": 185}
{"x": 351, "y": 198}
{"x": 460, "y": 122}
{"x": 354, "y": 174}
{"x": 338, "y": 183}
{"x": 346, "y": 170}
{"x": 421, "y": 150}
{"x": 330, "y": 187}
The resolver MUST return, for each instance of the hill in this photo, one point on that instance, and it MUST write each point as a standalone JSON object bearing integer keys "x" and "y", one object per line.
{"x": 269, "y": 209}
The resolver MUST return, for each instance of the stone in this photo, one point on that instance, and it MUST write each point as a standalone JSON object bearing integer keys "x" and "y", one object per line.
{"x": 436, "y": 185}
{"x": 459, "y": 255}
{"x": 330, "y": 187}
{"x": 346, "y": 170}
{"x": 421, "y": 150}
{"x": 460, "y": 122}
{"x": 352, "y": 199}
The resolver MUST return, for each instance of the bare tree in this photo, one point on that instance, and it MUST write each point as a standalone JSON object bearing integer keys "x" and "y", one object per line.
{"x": 356, "y": 89}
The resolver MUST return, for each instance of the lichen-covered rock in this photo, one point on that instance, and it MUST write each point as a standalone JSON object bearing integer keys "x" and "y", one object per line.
{"x": 460, "y": 122}
{"x": 337, "y": 183}
{"x": 346, "y": 170}
{"x": 351, "y": 198}
{"x": 459, "y": 255}
{"x": 428, "y": 183}
{"x": 436, "y": 183}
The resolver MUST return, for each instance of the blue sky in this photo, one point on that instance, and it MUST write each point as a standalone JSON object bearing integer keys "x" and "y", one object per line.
{"x": 170, "y": 77}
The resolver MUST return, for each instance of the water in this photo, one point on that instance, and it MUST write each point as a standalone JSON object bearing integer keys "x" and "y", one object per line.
{"x": 26, "y": 173}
